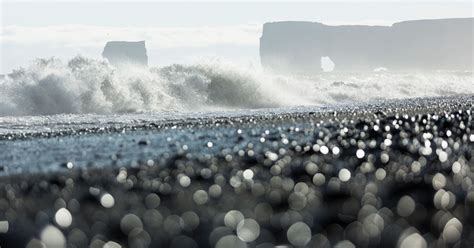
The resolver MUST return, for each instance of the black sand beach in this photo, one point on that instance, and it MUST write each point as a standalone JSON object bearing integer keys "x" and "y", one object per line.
{"x": 382, "y": 174}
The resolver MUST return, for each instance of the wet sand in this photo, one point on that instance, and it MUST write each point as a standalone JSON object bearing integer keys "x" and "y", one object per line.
{"x": 389, "y": 173}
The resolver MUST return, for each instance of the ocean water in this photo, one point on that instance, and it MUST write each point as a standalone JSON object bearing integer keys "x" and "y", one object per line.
{"x": 142, "y": 146}
{"x": 49, "y": 143}
{"x": 89, "y": 86}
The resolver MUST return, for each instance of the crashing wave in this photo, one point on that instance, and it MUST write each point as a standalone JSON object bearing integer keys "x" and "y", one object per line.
{"x": 84, "y": 85}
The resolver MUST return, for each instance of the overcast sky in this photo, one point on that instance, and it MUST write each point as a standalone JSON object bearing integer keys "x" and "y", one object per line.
{"x": 182, "y": 32}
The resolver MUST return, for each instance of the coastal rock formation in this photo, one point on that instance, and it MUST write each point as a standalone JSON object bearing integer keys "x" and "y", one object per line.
{"x": 119, "y": 52}
{"x": 297, "y": 47}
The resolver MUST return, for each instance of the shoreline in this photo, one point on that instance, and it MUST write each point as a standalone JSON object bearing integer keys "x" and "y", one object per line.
{"x": 157, "y": 121}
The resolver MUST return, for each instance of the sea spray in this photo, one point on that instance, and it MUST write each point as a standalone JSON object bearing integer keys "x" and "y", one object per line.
{"x": 85, "y": 85}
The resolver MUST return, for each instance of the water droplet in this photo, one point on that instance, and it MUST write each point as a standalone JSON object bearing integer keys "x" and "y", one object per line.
{"x": 248, "y": 174}
{"x": 191, "y": 220}
{"x": 107, "y": 200}
{"x": 406, "y": 206}
{"x": 380, "y": 174}
{"x": 232, "y": 218}
{"x": 319, "y": 179}
{"x": 456, "y": 167}
{"x": 344, "y": 244}
{"x": 443, "y": 156}
{"x": 152, "y": 201}
{"x": 70, "y": 165}
{"x": 63, "y": 217}
{"x": 360, "y": 153}
{"x": 4, "y": 226}
{"x": 184, "y": 181}
{"x": 248, "y": 230}
{"x": 215, "y": 191}
{"x": 444, "y": 144}
{"x": 384, "y": 157}
{"x": 230, "y": 241}
{"x": 439, "y": 181}
{"x": 206, "y": 173}
{"x": 324, "y": 150}
{"x": 299, "y": 234}
{"x": 112, "y": 244}
{"x": 52, "y": 237}
{"x": 412, "y": 240}
{"x": 200, "y": 197}
{"x": 130, "y": 222}
{"x": 344, "y": 175}
{"x": 272, "y": 156}
{"x": 452, "y": 230}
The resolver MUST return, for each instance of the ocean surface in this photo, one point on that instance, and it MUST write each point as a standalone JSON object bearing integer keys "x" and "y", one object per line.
{"x": 31, "y": 144}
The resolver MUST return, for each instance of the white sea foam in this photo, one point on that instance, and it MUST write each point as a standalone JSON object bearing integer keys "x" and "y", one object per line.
{"x": 83, "y": 85}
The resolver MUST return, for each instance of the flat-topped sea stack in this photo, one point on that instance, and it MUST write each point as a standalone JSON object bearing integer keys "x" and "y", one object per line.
{"x": 126, "y": 52}
{"x": 297, "y": 47}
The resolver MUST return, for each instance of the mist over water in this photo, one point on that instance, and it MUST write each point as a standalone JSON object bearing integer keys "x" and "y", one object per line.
{"x": 84, "y": 85}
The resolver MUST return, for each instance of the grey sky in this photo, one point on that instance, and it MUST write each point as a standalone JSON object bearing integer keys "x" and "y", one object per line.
{"x": 181, "y": 32}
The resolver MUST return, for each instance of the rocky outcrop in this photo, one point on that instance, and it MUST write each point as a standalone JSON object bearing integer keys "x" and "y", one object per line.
{"x": 120, "y": 52}
{"x": 297, "y": 47}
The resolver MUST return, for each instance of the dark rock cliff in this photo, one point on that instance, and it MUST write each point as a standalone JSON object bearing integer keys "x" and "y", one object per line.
{"x": 297, "y": 47}
{"x": 118, "y": 52}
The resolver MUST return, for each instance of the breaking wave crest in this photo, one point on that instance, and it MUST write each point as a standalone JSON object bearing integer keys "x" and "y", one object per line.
{"x": 84, "y": 85}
